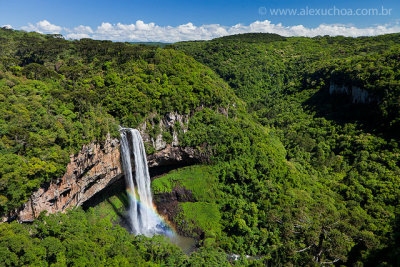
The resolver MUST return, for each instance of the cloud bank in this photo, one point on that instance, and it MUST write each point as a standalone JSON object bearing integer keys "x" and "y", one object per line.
{"x": 43, "y": 27}
{"x": 151, "y": 32}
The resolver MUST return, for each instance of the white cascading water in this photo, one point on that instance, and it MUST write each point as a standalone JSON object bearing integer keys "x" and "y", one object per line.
{"x": 143, "y": 218}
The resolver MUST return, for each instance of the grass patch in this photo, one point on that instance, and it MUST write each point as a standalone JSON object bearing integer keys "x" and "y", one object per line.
{"x": 199, "y": 179}
{"x": 201, "y": 216}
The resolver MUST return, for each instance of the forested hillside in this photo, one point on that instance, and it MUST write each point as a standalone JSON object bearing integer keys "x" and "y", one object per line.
{"x": 350, "y": 149}
{"x": 291, "y": 174}
{"x": 57, "y": 95}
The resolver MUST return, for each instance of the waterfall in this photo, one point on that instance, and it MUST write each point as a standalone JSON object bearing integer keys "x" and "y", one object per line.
{"x": 143, "y": 218}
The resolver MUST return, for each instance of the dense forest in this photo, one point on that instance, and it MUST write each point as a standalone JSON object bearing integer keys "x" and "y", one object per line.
{"x": 293, "y": 174}
{"x": 348, "y": 151}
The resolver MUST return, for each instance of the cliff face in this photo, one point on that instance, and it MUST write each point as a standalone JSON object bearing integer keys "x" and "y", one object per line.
{"x": 88, "y": 172}
{"x": 97, "y": 166}
{"x": 357, "y": 94}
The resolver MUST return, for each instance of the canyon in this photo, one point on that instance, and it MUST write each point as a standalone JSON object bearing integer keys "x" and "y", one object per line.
{"x": 98, "y": 165}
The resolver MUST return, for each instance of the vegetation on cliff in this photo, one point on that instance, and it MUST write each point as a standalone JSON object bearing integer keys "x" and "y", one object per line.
{"x": 292, "y": 174}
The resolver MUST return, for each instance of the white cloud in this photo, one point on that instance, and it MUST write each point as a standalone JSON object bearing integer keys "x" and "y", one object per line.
{"x": 7, "y": 26}
{"x": 77, "y": 36}
{"x": 79, "y": 32}
{"x": 43, "y": 27}
{"x": 83, "y": 29}
{"x": 141, "y": 31}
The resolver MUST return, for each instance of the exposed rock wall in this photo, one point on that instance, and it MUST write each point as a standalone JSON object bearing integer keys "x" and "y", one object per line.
{"x": 96, "y": 167}
{"x": 165, "y": 124}
{"x": 357, "y": 94}
{"x": 339, "y": 89}
{"x": 88, "y": 172}
{"x": 360, "y": 95}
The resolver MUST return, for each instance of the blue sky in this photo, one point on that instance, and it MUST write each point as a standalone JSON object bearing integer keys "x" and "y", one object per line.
{"x": 118, "y": 19}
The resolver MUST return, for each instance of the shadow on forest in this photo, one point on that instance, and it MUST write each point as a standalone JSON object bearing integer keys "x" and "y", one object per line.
{"x": 112, "y": 190}
{"x": 341, "y": 110}
{"x": 116, "y": 189}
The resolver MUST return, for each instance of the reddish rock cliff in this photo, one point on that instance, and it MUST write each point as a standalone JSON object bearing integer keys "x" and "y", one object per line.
{"x": 92, "y": 169}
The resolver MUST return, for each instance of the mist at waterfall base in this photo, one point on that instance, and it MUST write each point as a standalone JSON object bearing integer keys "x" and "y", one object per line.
{"x": 142, "y": 216}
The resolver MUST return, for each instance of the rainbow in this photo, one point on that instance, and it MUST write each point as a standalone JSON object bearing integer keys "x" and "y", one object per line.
{"x": 166, "y": 226}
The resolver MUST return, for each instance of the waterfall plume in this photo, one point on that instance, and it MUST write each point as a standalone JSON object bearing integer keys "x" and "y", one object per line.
{"x": 143, "y": 218}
